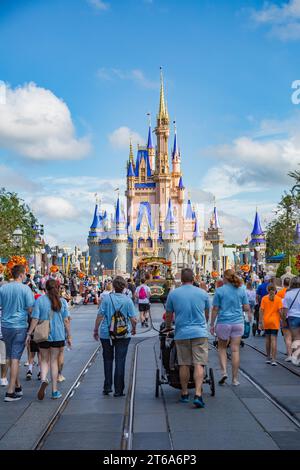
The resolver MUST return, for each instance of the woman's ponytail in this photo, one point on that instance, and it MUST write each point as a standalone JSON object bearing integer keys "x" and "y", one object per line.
{"x": 233, "y": 278}
{"x": 53, "y": 294}
{"x": 272, "y": 292}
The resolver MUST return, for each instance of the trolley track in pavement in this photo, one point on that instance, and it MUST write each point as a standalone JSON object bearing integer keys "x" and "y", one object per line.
{"x": 281, "y": 363}
{"x": 50, "y": 425}
{"x": 277, "y": 403}
{"x": 128, "y": 431}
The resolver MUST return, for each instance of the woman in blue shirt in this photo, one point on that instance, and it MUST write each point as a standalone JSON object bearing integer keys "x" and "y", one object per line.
{"x": 230, "y": 301}
{"x": 54, "y": 308}
{"x": 115, "y": 349}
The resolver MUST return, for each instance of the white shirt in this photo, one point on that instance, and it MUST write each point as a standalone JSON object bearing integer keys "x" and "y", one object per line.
{"x": 288, "y": 300}
{"x": 148, "y": 292}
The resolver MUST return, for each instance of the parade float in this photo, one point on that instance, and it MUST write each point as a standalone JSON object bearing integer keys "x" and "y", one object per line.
{"x": 159, "y": 276}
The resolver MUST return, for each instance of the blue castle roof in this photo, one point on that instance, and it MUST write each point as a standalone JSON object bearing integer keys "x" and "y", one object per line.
{"x": 170, "y": 213}
{"x": 175, "y": 146}
{"x": 119, "y": 213}
{"x": 180, "y": 184}
{"x": 142, "y": 154}
{"x": 216, "y": 218}
{"x": 257, "y": 234}
{"x": 96, "y": 220}
{"x": 189, "y": 211}
{"x": 130, "y": 171}
{"x": 150, "y": 143}
{"x": 257, "y": 230}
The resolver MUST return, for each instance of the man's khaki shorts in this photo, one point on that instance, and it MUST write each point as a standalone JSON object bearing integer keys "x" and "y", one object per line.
{"x": 192, "y": 351}
{"x": 2, "y": 352}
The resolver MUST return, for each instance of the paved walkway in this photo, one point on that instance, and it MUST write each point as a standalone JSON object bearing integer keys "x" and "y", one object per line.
{"x": 22, "y": 422}
{"x": 236, "y": 418}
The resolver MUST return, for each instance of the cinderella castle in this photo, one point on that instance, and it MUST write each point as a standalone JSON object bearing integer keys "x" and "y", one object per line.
{"x": 159, "y": 222}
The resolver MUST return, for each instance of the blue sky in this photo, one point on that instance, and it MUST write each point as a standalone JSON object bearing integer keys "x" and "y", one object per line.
{"x": 80, "y": 76}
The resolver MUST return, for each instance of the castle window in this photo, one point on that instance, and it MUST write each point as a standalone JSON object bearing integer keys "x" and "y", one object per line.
{"x": 143, "y": 174}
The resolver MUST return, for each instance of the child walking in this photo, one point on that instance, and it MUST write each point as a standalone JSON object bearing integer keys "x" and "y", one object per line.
{"x": 269, "y": 317}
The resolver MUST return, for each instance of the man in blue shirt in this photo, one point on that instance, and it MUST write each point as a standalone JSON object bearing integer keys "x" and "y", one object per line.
{"x": 16, "y": 300}
{"x": 191, "y": 308}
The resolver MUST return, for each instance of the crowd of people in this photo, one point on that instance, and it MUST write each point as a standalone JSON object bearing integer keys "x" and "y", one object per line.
{"x": 35, "y": 313}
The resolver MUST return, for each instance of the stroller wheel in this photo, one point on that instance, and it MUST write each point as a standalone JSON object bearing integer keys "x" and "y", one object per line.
{"x": 157, "y": 383}
{"x": 212, "y": 382}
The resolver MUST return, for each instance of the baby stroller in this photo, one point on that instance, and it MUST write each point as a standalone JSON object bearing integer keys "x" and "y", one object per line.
{"x": 169, "y": 371}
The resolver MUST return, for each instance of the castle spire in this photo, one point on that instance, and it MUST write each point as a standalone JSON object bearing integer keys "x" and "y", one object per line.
{"x": 180, "y": 184}
{"x": 257, "y": 234}
{"x": 150, "y": 142}
{"x": 130, "y": 171}
{"x": 163, "y": 112}
{"x": 131, "y": 157}
{"x": 170, "y": 214}
{"x": 96, "y": 224}
{"x": 189, "y": 210}
{"x": 215, "y": 216}
{"x": 175, "y": 152}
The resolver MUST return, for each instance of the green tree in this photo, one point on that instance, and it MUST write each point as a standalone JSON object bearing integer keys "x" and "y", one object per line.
{"x": 296, "y": 175}
{"x": 14, "y": 213}
{"x": 281, "y": 230}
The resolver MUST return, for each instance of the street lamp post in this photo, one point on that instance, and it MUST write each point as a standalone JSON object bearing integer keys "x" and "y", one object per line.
{"x": 102, "y": 271}
{"x": 17, "y": 239}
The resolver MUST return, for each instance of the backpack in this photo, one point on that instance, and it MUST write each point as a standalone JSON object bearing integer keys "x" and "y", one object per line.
{"x": 142, "y": 293}
{"x": 118, "y": 326}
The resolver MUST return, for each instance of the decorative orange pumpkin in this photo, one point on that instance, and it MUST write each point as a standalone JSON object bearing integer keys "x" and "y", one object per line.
{"x": 215, "y": 274}
{"x": 81, "y": 275}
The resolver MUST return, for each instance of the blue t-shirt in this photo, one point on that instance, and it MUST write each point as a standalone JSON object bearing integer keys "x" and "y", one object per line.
{"x": 123, "y": 303}
{"x": 41, "y": 311}
{"x": 188, "y": 303}
{"x": 230, "y": 300}
{"x": 15, "y": 299}
{"x": 262, "y": 289}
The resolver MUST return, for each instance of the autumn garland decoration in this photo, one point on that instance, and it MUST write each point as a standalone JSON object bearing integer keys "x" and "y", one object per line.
{"x": 15, "y": 260}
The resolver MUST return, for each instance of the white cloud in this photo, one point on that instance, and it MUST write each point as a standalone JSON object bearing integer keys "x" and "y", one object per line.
{"x": 54, "y": 207}
{"x": 38, "y": 125}
{"x": 99, "y": 4}
{"x": 120, "y": 138}
{"x": 14, "y": 181}
{"x": 263, "y": 159}
{"x": 135, "y": 75}
{"x": 284, "y": 19}
{"x": 225, "y": 181}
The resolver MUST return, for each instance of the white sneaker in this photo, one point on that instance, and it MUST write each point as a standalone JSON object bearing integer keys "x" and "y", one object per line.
{"x": 295, "y": 361}
{"x": 288, "y": 359}
{"x": 236, "y": 383}
{"x": 3, "y": 382}
{"x": 274, "y": 363}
